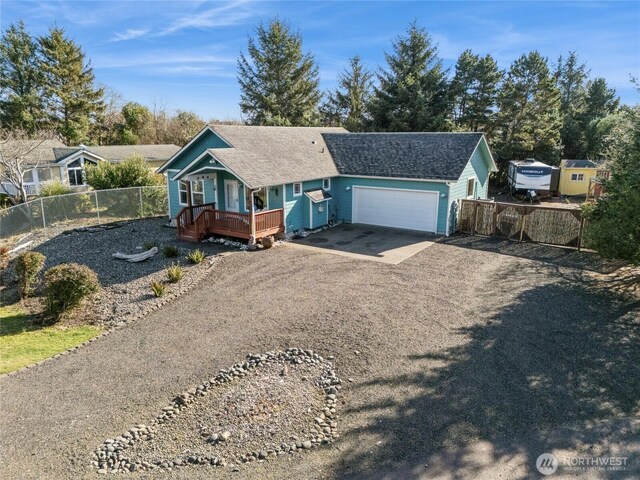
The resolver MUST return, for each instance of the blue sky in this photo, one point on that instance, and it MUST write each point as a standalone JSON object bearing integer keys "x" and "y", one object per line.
{"x": 183, "y": 53}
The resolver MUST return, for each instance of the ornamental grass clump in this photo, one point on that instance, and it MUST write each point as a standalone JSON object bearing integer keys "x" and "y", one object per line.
{"x": 158, "y": 289}
{"x": 195, "y": 257}
{"x": 28, "y": 266}
{"x": 174, "y": 273}
{"x": 170, "y": 251}
{"x": 66, "y": 285}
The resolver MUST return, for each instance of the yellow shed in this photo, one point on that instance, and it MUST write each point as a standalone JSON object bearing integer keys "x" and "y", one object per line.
{"x": 575, "y": 176}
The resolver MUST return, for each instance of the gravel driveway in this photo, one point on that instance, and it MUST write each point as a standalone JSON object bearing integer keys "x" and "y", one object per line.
{"x": 465, "y": 362}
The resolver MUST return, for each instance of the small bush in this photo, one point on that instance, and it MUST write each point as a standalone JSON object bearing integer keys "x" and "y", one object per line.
{"x": 158, "y": 289}
{"x": 174, "y": 273}
{"x": 171, "y": 251}
{"x": 52, "y": 188}
{"x": 132, "y": 172}
{"x": 195, "y": 257}
{"x": 149, "y": 245}
{"x": 66, "y": 285}
{"x": 4, "y": 260}
{"x": 28, "y": 266}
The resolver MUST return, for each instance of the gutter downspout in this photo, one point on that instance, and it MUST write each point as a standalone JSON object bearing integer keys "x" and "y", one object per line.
{"x": 252, "y": 221}
{"x": 448, "y": 210}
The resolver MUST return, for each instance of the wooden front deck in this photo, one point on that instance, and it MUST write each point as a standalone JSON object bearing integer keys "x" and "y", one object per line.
{"x": 196, "y": 222}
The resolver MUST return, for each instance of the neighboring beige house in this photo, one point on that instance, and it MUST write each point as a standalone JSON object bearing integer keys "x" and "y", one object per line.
{"x": 53, "y": 160}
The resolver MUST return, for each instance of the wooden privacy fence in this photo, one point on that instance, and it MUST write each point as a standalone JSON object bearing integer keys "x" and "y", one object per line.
{"x": 523, "y": 223}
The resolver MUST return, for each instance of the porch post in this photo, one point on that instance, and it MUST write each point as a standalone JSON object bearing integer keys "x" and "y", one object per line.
{"x": 252, "y": 221}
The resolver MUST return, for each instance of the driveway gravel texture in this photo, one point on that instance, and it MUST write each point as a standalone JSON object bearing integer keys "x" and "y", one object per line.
{"x": 467, "y": 360}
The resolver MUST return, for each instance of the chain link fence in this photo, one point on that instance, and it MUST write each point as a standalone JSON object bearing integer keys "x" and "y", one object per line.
{"x": 51, "y": 215}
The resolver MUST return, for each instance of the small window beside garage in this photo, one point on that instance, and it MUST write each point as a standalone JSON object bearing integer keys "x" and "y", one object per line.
{"x": 297, "y": 189}
{"x": 577, "y": 177}
{"x": 326, "y": 184}
{"x": 471, "y": 187}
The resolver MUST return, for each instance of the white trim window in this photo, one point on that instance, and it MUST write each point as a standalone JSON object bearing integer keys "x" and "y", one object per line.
{"x": 75, "y": 170}
{"x": 297, "y": 189}
{"x": 577, "y": 177}
{"x": 183, "y": 191}
{"x": 471, "y": 187}
{"x": 326, "y": 184}
{"x": 197, "y": 192}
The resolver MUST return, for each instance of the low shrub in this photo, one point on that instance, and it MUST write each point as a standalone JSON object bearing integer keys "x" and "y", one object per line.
{"x": 149, "y": 245}
{"x": 174, "y": 273}
{"x": 195, "y": 257}
{"x": 28, "y": 266}
{"x": 4, "y": 261}
{"x": 53, "y": 187}
{"x": 158, "y": 289}
{"x": 171, "y": 251}
{"x": 66, "y": 285}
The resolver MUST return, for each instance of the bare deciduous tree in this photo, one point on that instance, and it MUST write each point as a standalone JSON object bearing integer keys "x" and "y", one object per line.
{"x": 21, "y": 152}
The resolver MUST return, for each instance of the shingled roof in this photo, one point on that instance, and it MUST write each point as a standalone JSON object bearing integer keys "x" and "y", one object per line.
{"x": 118, "y": 153}
{"x": 434, "y": 156}
{"x": 578, "y": 164}
{"x": 263, "y": 156}
{"x": 31, "y": 152}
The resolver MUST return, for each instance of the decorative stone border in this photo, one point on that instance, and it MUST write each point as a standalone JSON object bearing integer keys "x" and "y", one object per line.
{"x": 110, "y": 456}
{"x": 173, "y": 295}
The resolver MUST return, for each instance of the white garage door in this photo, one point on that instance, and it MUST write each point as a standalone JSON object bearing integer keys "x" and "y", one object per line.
{"x": 390, "y": 207}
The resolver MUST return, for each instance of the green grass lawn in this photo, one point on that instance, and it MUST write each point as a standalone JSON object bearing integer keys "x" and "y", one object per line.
{"x": 22, "y": 343}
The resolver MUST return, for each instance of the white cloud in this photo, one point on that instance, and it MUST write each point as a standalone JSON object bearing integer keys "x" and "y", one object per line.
{"x": 129, "y": 34}
{"x": 161, "y": 58}
{"x": 230, "y": 13}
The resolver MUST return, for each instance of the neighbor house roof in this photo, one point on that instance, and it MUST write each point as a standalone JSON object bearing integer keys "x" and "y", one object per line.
{"x": 437, "y": 156}
{"x": 33, "y": 151}
{"x": 118, "y": 153}
{"x": 263, "y": 156}
{"x": 578, "y": 164}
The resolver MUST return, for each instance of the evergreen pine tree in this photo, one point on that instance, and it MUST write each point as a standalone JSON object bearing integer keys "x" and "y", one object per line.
{"x": 278, "y": 82}
{"x": 529, "y": 120}
{"x": 600, "y": 102}
{"x": 570, "y": 78}
{"x": 21, "y": 104}
{"x": 412, "y": 95}
{"x": 347, "y": 104}
{"x": 72, "y": 99}
{"x": 474, "y": 92}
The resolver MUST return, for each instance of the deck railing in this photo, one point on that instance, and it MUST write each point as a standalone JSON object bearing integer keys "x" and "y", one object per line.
{"x": 187, "y": 215}
{"x": 233, "y": 224}
{"x": 268, "y": 220}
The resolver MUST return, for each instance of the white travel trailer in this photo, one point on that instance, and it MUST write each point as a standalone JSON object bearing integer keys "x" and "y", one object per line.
{"x": 528, "y": 174}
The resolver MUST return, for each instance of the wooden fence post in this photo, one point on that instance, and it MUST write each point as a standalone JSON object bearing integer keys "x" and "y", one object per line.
{"x": 475, "y": 217}
{"x": 580, "y": 231}
{"x": 524, "y": 221}
{"x": 495, "y": 219}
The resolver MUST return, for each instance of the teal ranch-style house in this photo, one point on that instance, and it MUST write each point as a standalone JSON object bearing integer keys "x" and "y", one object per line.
{"x": 250, "y": 182}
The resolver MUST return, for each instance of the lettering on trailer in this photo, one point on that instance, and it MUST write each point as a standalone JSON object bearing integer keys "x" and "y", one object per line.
{"x": 534, "y": 171}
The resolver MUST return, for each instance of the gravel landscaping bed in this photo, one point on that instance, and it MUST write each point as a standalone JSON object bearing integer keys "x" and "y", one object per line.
{"x": 126, "y": 292}
{"x": 270, "y": 405}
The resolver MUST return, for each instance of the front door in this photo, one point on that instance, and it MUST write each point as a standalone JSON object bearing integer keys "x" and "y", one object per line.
{"x": 231, "y": 196}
